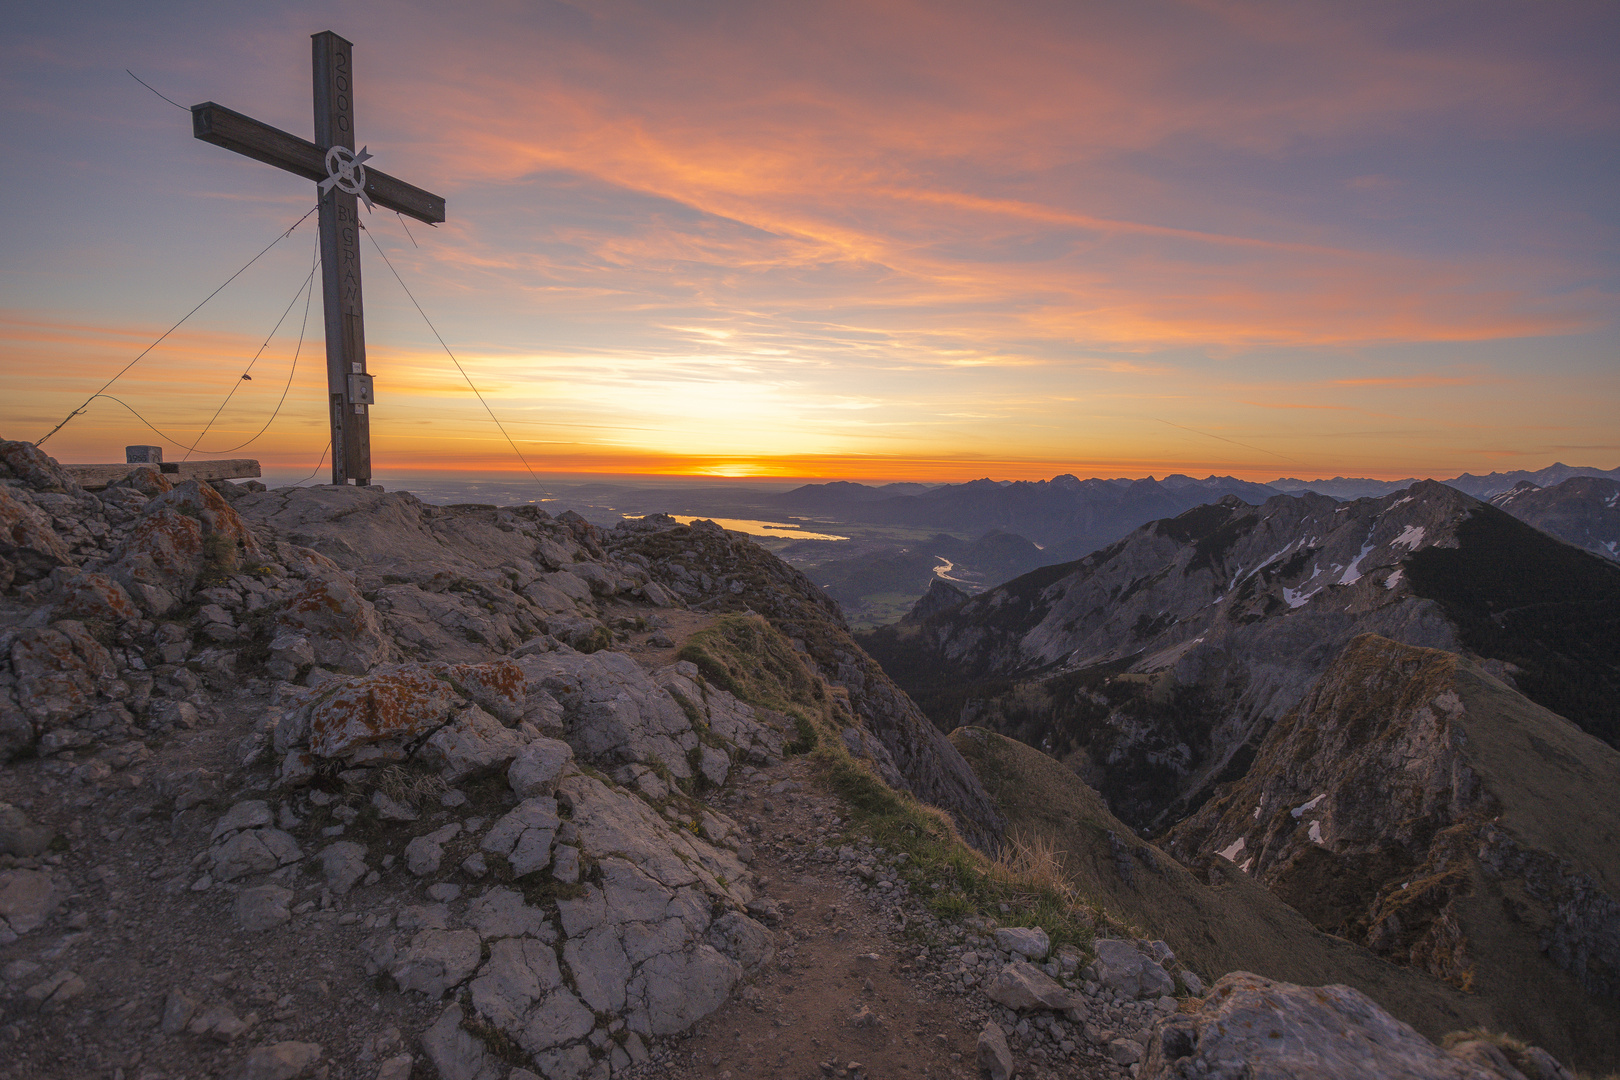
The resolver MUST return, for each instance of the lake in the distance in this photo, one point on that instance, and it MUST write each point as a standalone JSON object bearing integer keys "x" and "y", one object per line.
{"x": 756, "y": 528}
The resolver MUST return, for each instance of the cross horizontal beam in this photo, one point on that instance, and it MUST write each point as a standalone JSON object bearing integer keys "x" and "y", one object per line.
{"x": 252, "y": 138}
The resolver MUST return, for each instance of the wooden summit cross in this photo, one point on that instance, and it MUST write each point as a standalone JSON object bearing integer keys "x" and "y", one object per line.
{"x": 344, "y": 179}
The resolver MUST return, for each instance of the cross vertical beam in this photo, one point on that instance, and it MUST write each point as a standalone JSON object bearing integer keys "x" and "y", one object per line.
{"x": 332, "y": 163}
{"x": 333, "y": 66}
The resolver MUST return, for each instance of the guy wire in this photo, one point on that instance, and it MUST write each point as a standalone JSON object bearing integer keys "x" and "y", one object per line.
{"x": 282, "y": 236}
{"x": 452, "y": 356}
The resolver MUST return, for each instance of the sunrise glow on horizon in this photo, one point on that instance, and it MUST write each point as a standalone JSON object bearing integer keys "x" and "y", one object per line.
{"x": 879, "y": 241}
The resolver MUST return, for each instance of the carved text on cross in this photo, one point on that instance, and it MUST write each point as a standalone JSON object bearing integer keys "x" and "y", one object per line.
{"x": 343, "y": 177}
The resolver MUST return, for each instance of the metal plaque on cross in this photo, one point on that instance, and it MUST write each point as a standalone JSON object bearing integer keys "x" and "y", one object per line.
{"x": 344, "y": 178}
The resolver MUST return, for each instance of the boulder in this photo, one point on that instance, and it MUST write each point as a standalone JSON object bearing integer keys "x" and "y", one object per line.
{"x": 423, "y": 854}
{"x": 28, "y": 542}
{"x": 471, "y": 744}
{"x": 180, "y": 534}
{"x": 344, "y": 864}
{"x": 60, "y": 669}
{"x": 1279, "y": 1029}
{"x": 994, "y": 1057}
{"x": 340, "y": 625}
{"x": 538, "y": 766}
{"x": 97, "y": 597}
{"x": 1029, "y": 942}
{"x": 1022, "y": 985}
{"x": 255, "y": 851}
{"x": 27, "y": 898}
{"x": 26, "y": 462}
{"x": 21, "y": 837}
{"x": 455, "y": 1053}
{"x": 1122, "y": 968}
{"x": 401, "y": 703}
{"x": 247, "y": 814}
{"x": 262, "y": 908}
{"x": 437, "y": 960}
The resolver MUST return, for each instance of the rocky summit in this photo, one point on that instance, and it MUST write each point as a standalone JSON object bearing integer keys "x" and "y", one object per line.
{"x": 330, "y": 782}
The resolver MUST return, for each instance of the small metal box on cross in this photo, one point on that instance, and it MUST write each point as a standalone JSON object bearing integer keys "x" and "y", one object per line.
{"x": 344, "y": 179}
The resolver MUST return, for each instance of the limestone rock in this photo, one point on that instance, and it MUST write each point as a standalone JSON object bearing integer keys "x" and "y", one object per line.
{"x": 53, "y": 993}
{"x": 614, "y": 713}
{"x": 1121, "y": 967}
{"x": 501, "y": 912}
{"x": 437, "y": 960}
{"x": 24, "y": 461}
{"x": 994, "y": 1057}
{"x": 538, "y": 766}
{"x": 256, "y": 851}
{"x": 60, "y": 669}
{"x": 28, "y": 543}
{"x": 262, "y": 908}
{"x": 1279, "y": 1029}
{"x": 340, "y": 625}
{"x": 290, "y": 653}
{"x": 1029, "y": 942}
{"x": 742, "y": 939}
{"x": 343, "y": 863}
{"x": 615, "y": 821}
{"x": 524, "y": 835}
{"x": 1022, "y": 985}
{"x": 21, "y": 837}
{"x": 400, "y": 703}
{"x": 178, "y": 1009}
{"x": 248, "y": 814}
{"x": 27, "y": 898}
{"x": 398, "y": 1067}
{"x": 407, "y": 701}
{"x": 98, "y": 597}
{"x": 423, "y": 854}
{"x": 455, "y": 1053}
{"x": 471, "y": 744}
{"x": 672, "y": 991}
{"x": 520, "y": 990}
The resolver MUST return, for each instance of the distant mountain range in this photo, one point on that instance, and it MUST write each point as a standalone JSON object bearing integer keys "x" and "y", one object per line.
{"x": 1067, "y": 518}
{"x": 1480, "y": 487}
{"x": 1077, "y": 516}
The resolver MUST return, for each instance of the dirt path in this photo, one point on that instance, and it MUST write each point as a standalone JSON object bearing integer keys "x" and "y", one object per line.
{"x": 855, "y": 989}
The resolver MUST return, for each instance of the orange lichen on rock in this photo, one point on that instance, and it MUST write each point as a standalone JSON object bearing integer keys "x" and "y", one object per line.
{"x": 499, "y": 687}
{"x": 59, "y": 670}
{"x": 97, "y": 596}
{"x": 341, "y": 626}
{"x": 403, "y": 703}
{"x": 406, "y": 702}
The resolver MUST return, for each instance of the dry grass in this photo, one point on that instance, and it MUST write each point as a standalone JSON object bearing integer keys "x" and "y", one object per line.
{"x": 1033, "y": 861}
{"x": 403, "y": 784}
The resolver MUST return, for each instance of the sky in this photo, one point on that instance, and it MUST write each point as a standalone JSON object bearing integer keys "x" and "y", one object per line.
{"x": 875, "y": 241}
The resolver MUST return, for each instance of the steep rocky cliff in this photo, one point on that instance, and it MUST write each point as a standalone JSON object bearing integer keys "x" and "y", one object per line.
{"x": 1156, "y": 665}
{"x": 1583, "y": 510}
{"x": 1418, "y": 805}
{"x": 1218, "y": 918}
